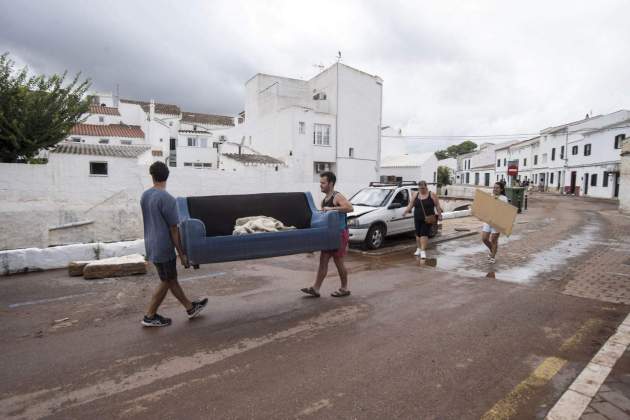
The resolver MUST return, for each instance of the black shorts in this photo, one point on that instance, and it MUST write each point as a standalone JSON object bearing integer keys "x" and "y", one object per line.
{"x": 167, "y": 270}
{"x": 422, "y": 229}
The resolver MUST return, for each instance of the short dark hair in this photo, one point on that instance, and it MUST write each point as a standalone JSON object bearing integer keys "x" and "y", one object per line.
{"x": 501, "y": 187}
{"x": 330, "y": 176}
{"x": 159, "y": 171}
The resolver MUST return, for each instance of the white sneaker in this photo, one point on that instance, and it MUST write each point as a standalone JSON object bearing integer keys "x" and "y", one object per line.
{"x": 417, "y": 253}
{"x": 423, "y": 255}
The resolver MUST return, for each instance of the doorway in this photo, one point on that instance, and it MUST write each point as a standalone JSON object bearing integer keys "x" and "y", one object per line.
{"x": 585, "y": 184}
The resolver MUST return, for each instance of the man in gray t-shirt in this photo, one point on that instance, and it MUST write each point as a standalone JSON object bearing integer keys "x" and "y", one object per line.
{"x": 161, "y": 237}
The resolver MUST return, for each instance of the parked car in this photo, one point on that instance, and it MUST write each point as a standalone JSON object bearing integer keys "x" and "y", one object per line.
{"x": 378, "y": 213}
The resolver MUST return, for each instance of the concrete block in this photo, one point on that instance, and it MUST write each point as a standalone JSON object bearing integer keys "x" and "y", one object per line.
{"x": 115, "y": 267}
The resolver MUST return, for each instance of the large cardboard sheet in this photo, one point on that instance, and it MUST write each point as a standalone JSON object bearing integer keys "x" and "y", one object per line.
{"x": 496, "y": 213}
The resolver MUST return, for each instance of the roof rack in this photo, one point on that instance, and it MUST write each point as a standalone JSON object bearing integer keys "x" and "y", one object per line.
{"x": 392, "y": 184}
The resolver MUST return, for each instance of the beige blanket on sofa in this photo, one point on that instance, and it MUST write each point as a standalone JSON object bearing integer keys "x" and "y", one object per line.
{"x": 258, "y": 224}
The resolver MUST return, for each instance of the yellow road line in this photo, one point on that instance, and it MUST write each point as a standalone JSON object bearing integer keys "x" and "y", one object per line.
{"x": 507, "y": 407}
{"x": 575, "y": 339}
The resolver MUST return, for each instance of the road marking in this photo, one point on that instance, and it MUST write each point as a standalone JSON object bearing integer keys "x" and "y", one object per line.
{"x": 315, "y": 407}
{"x": 574, "y": 401}
{"x": 52, "y": 401}
{"x": 507, "y": 407}
{"x": 37, "y": 302}
{"x": 575, "y": 339}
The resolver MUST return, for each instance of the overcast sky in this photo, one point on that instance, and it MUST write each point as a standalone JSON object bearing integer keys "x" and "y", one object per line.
{"x": 449, "y": 67}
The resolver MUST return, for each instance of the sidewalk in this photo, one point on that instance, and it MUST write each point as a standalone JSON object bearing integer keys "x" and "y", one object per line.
{"x": 612, "y": 402}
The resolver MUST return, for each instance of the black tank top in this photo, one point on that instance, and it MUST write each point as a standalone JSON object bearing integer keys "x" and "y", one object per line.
{"x": 330, "y": 203}
{"x": 427, "y": 203}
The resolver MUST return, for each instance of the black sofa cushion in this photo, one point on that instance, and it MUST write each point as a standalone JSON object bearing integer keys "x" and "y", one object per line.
{"x": 219, "y": 212}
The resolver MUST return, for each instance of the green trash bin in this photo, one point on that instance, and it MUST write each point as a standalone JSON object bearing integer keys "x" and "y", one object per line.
{"x": 516, "y": 195}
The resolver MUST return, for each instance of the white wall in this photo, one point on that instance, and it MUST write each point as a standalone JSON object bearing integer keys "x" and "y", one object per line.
{"x": 38, "y": 197}
{"x": 624, "y": 186}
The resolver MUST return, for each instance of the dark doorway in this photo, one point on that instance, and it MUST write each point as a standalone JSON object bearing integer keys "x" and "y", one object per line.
{"x": 573, "y": 177}
{"x": 585, "y": 184}
{"x": 616, "y": 184}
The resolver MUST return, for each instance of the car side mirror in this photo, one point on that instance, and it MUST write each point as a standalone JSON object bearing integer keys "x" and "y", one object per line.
{"x": 394, "y": 206}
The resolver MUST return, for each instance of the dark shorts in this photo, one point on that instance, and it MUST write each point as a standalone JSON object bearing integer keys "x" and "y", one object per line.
{"x": 422, "y": 229}
{"x": 343, "y": 248}
{"x": 167, "y": 270}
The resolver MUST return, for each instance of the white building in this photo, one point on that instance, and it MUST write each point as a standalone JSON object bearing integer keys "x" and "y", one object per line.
{"x": 330, "y": 122}
{"x": 624, "y": 184}
{"x": 410, "y": 167}
{"x": 478, "y": 167}
{"x": 518, "y": 153}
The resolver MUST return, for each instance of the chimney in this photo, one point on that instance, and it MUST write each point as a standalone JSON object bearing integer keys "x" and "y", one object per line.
{"x": 151, "y": 110}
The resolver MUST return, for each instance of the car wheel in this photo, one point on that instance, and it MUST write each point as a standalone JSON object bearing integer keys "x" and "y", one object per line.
{"x": 375, "y": 237}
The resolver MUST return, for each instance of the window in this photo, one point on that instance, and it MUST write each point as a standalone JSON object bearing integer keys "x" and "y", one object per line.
{"x": 187, "y": 163}
{"x": 476, "y": 178}
{"x": 192, "y": 142}
{"x": 467, "y": 177}
{"x": 170, "y": 123}
{"x": 127, "y": 142}
{"x": 504, "y": 162}
{"x": 351, "y": 152}
{"x": 587, "y": 150}
{"x": 401, "y": 198}
{"x": 487, "y": 180}
{"x": 98, "y": 168}
{"x": 535, "y": 159}
{"x": 551, "y": 178}
{"x": 302, "y": 127}
{"x": 321, "y": 135}
{"x": 320, "y": 96}
{"x": 618, "y": 140}
{"x": 101, "y": 119}
{"x": 215, "y": 145}
{"x": 553, "y": 154}
{"x": 593, "y": 180}
{"x": 498, "y": 163}
{"x": 197, "y": 165}
{"x": 103, "y": 141}
{"x": 207, "y": 165}
{"x": 605, "y": 179}
{"x": 562, "y": 152}
{"x": 322, "y": 167}
{"x": 76, "y": 139}
{"x": 574, "y": 150}
{"x": 525, "y": 162}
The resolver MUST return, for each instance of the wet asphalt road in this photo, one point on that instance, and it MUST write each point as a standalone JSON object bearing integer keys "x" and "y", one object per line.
{"x": 449, "y": 338}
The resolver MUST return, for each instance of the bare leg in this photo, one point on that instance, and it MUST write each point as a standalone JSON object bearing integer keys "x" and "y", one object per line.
{"x": 485, "y": 238}
{"x": 324, "y": 258}
{"x": 343, "y": 273}
{"x": 157, "y": 298}
{"x": 418, "y": 242}
{"x": 424, "y": 243}
{"x": 494, "y": 240}
{"x": 177, "y": 291}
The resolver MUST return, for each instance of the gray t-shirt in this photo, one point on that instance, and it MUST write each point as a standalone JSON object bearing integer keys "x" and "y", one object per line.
{"x": 159, "y": 213}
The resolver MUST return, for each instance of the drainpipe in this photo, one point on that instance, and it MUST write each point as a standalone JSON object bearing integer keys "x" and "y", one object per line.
{"x": 337, "y": 123}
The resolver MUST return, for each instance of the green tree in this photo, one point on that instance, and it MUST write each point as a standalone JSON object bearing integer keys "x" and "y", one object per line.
{"x": 456, "y": 149}
{"x": 36, "y": 112}
{"x": 444, "y": 176}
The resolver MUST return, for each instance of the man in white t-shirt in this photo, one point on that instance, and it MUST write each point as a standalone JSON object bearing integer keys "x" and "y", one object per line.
{"x": 489, "y": 235}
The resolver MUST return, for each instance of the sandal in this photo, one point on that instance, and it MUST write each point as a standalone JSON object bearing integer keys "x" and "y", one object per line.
{"x": 340, "y": 293}
{"x": 310, "y": 291}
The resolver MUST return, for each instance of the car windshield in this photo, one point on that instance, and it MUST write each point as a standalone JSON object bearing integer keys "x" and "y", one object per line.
{"x": 373, "y": 197}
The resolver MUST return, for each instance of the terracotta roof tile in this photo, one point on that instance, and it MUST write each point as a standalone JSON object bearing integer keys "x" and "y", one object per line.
{"x": 250, "y": 158}
{"x": 103, "y": 110}
{"x": 199, "y": 118}
{"x": 111, "y": 130}
{"x": 164, "y": 109}
{"x": 100, "y": 149}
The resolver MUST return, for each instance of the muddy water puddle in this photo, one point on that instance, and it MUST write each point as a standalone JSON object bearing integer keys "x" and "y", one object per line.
{"x": 470, "y": 257}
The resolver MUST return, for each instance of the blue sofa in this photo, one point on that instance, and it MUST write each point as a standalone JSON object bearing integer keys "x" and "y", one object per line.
{"x": 206, "y": 225}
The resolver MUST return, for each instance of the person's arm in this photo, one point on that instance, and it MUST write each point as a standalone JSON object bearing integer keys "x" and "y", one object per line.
{"x": 178, "y": 245}
{"x": 410, "y": 205}
{"x": 342, "y": 205}
{"x": 438, "y": 208}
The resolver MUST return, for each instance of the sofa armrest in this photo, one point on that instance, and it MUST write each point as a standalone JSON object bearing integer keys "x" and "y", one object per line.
{"x": 325, "y": 219}
{"x": 191, "y": 229}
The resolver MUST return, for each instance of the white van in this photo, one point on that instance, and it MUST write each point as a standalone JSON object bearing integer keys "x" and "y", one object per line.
{"x": 378, "y": 213}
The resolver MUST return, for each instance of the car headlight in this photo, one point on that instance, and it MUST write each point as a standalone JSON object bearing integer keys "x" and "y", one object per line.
{"x": 353, "y": 223}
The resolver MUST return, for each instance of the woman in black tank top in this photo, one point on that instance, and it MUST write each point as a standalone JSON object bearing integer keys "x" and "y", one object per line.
{"x": 425, "y": 203}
